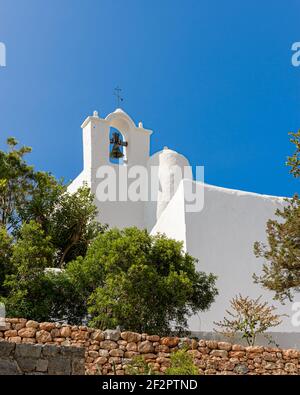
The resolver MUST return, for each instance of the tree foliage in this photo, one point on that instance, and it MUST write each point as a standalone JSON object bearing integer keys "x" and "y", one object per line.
{"x": 28, "y": 195}
{"x": 39, "y": 215}
{"x": 281, "y": 270}
{"x": 15, "y": 183}
{"x": 141, "y": 282}
{"x": 281, "y": 253}
{"x": 72, "y": 225}
{"x": 294, "y": 160}
{"x": 249, "y": 317}
{"x": 5, "y": 256}
{"x": 31, "y": 255}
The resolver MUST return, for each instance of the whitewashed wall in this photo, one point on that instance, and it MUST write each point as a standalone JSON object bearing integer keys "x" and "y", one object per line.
{"x": 221, "y": 236}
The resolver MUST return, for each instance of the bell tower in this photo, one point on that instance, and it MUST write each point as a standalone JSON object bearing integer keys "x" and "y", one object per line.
{"x": 95, "y": 137}
{"x": 114, "y": 137}
{"x": 97, "y": 140}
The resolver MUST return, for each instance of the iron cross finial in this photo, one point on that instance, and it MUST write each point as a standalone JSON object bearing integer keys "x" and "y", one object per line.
{"x": 117, "y": 93}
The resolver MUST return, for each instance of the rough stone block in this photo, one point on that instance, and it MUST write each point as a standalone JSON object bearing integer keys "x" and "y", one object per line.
{"x": 241, "y": 369}
{"x": 146, "y": 347}
{"x": 9, "y": 367}
{"x": 32, "y": 324}
{"x": 65, "y": 331}
{"x": 50, "y": 350}
{"x": 224, "y": 346}
{"x": 219, "y": 353}
{"x": 26, "y": 364}
{"x": 114, "y": 335}
{"x": 108, "y": 344}
{"x": 78, "y": 366}
{"x": 131, "y": 336}
{"x": 59, "y": 365}
{"x": 97, "y": 335}
{"x": 42, "y": 365}
{"x": 28, "y": 351}
{"x": 6, "y": 349}
{"x": 47, "y": 326}
{"x": 43, "y": 336}
{"x": 27, "y": 332}
{"x": 77, "y": 352}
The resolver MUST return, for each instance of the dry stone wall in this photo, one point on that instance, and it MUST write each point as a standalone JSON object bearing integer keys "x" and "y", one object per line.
{"x": 110, "y": 351}
{"x": 39, "y": 359}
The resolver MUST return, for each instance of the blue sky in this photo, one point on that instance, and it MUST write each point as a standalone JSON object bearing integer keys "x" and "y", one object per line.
{"x": 213, "y": 79}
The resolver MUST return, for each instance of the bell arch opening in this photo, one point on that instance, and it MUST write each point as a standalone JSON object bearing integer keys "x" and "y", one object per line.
{"x": 117, "y": 147}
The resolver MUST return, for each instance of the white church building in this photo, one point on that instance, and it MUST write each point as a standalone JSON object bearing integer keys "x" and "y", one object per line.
{"x": 220, "y": 232}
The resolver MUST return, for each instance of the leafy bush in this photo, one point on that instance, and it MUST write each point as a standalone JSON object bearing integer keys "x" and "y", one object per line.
{"x": 182, "y": 363}
{"x": 249, "y": 318}
{"x": 140, "y": 282}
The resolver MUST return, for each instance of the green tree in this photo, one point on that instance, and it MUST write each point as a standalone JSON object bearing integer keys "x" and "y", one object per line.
{"x": 65, "y": 302}
{"x": 72, "y": 224}
{"x": 31, "y": 255}
{"x": 15, "y": 183}
{"x": 42, "y": 198}
{"x": 281, "y": 253}
{"x": 26, "y": 195}
{"x": 294, "y": 160}
{"x": 33, "y": 289}
{"x": 140, "y": 282}
{"x": 5, "y": 256}
{"x": 39, "y": 215}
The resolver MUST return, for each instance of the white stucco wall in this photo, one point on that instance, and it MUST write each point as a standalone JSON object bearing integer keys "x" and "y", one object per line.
{"x": 172, "y": 220}
{"x": 221, "y": 236}
{"x": 169, "y": 168}
{"x": 78, "y": 182}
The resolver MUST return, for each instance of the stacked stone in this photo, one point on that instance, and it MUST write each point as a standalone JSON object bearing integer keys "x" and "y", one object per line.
{"x": 229, "y": 359}
{"x": 38, "y": 359}
{"x": 110, "y": 351}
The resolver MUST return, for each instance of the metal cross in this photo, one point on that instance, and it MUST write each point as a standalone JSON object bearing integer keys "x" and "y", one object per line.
{"x": 117, "y": 93}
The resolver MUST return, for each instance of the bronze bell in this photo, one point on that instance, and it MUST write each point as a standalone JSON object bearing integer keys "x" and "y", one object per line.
{"x": 116, "y": 153}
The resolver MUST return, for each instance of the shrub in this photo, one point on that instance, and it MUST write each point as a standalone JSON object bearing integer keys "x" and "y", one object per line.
{"x": 182, "y": 363}
{"x": 249, "y": 317}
